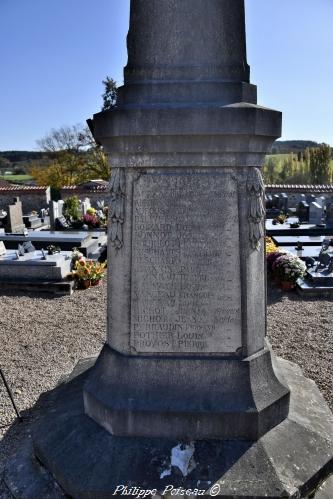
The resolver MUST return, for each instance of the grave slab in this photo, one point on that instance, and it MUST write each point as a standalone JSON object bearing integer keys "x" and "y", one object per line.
{"x": 293, "y": 240}
{"x": 33, "y": 266}
{"x": 87, "y": 242}
{"x": 302, "y": 230}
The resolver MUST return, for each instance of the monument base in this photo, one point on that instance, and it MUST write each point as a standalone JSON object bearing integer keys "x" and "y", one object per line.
{"x": 291, "y": 460}
{"x": 185, "y": 398}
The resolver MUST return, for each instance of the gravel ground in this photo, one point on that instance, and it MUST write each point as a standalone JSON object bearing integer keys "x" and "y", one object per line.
{"x": 43, "y": 338}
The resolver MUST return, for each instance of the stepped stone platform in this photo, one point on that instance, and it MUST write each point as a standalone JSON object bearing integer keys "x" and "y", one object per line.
{"x": 291, "y": 461}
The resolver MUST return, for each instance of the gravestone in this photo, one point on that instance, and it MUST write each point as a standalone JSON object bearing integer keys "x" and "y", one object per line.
{"x": 294, "y": 199}
{"x": 85, "y": 205}
{"x": 321, "y": 201}
{"x": 329, "y": 215}
{"x": 185, "y": 366}
{"x": 315, "y": 214}
{"x": 269, "y": 201}
{"x": 283, "y": 202}
{"x": 2, "y": 248}
{"x": 15, "y": 218}
{"x": 310, "y": 198}
{"x": 276, "y": 201}
{"x": 55, "y": 211}
{"x": 303, "y": 211}
{"x": 32, "y": 221}
{"x": 61, "y": 223}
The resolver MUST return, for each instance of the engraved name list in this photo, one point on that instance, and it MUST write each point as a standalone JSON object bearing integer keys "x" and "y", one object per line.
{"x": 186, "y": 295}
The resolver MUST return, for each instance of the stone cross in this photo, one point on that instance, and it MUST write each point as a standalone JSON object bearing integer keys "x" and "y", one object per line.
{"x": 186, "y": 316}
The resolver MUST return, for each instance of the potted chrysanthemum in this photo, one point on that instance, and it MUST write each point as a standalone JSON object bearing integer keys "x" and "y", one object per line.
{"x": 88, "y": 273}
{"x": 287, "y": 268}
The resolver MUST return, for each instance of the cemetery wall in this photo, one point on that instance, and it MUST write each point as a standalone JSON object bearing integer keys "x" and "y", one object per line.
{"x": 32, "y": 197}
{"x": 321, "y": 190}
{"x": 98, "y": 194}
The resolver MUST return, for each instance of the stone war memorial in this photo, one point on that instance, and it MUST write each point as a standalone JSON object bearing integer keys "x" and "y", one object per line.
{"x": 186, "y": 396}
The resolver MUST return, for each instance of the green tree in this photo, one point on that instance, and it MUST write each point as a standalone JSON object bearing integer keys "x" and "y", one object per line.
{"x": 110, "y": 93}
{"x": 270, "y": 170}
{"x": 287, "y": 169}
{"x": 320, "y": 159}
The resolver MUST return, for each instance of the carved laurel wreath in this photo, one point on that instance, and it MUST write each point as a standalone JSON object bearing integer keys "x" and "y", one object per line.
{"x": 256, "y": 216}
{"x": 117, "y": 207}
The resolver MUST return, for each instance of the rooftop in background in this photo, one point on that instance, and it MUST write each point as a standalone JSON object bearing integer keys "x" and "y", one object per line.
{"x": 20, "y": 188}
{"x": 299, "y": 188}
{"x": 91, "y": 185}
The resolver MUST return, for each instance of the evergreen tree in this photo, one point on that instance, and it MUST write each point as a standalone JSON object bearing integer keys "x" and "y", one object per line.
{"x": 320, "y": 158}
{"x": 110, "y": 93}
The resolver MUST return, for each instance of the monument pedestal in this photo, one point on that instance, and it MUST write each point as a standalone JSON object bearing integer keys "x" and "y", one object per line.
{"x": 186, "y": 398}
{"x": 289, "y": 461}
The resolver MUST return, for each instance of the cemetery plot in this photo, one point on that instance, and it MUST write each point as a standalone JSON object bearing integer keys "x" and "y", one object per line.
{"x": 293, "y": 240}
{"x": 91, "y": 244}
{"x": 303, "y": 229}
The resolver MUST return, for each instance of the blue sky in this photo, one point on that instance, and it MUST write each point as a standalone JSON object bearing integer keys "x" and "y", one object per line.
{"x": 55, "y": 53}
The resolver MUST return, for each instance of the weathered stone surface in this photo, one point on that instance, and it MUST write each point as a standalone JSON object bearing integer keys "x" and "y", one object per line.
{"x": 186, "y": 141}
{"x": 182, "y": 137}
{"x": 325, "y": 491}
{"x": 291, "y": 460}
{"x": 230, "y": 237}
{"x": 15, "y": 218}
{"x": 186, "y": 397}
{"x": 187, "y": 40}
{"x": 185, "y": 244}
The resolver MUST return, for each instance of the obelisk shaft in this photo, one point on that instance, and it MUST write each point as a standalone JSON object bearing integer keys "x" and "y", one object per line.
{"x": 187, "y": 40}
{"x": 185, "y": 354}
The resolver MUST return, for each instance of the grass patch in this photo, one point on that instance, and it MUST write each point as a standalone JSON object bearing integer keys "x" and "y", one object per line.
{"x": 17, "y": 178}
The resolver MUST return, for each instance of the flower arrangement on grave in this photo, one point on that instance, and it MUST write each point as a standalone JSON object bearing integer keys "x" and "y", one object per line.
{"x": 91, "y": 220}
{"x": 287, "y": 268}
{"x": 270, "y": 245}
{"x": 88, "y": 273}
{"x": 270, "y": 259}
{"x": 71, "y": 209}
{"x": 76, "y": 255}
{"x": 280, "y": 219}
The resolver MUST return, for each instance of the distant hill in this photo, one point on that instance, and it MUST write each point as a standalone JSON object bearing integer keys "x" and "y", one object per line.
{"x": 22, "y": 161}
{"x": 15, "y": 156}
{"x": 289, "y": 146}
